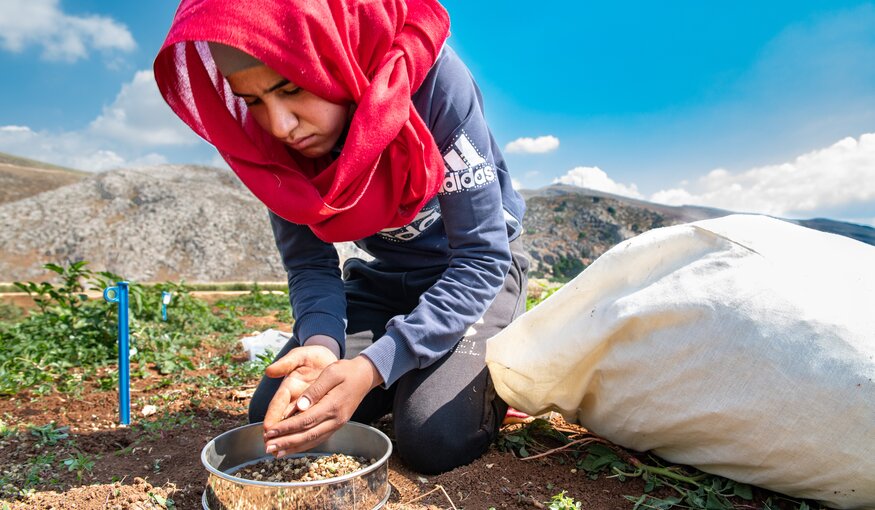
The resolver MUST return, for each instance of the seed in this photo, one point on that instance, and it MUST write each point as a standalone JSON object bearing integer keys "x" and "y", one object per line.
{"x": 303, "y": 469}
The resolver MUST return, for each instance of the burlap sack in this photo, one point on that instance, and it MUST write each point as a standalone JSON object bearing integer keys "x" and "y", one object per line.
{"x": 744, "y": 346}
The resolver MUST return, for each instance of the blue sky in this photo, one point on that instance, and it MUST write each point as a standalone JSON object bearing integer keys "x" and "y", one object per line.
{"x": 751, "y": 106}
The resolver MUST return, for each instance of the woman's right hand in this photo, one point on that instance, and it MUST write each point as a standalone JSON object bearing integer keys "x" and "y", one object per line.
{"x": 300, "y": 367}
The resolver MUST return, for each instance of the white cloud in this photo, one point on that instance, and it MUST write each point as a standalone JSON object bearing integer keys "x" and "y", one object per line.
{"x": 97, "y": 161}
{"x": 125, "y": 134}
{"x": 596, "y": 179}
{"x": 537, "y": 145}
{"x": 15, "y": 129}
{"x": 139, "y": 116}
{"x": 61, "y": 36}
{"x": 101, "y": 160}
{"x": 839, "y": 176}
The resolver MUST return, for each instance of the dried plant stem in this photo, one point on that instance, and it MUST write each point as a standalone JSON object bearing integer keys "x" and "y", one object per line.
{"x": 441, "y": 487}
{"x": 436, "y": 488}
{"x": 582, "y": 441}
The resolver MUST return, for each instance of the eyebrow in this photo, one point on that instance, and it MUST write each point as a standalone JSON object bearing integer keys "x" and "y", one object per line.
{"x": 281, "y": 83}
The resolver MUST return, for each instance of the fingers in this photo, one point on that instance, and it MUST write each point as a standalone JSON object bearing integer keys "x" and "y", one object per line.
{"x": 322, "y": 407}
{"x": 306, "y": 358}
{"x": 282, "y": 405}
{"x": 285, "y": 365}
{"x": 306, "y": 400}
{"x": 303, "y": 440}
{"x": 319, "y": 413}
{"x": 327, "y": 380}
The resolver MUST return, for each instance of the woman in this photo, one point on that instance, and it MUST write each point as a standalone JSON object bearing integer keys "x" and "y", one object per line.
{"x": 352, "y": 121}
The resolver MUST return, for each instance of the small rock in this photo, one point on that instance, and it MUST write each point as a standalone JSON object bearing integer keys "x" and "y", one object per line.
{"x": 149, "y": 410}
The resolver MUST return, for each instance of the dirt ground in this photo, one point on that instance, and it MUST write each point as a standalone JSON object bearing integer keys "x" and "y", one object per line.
{"x": 155, "y": 462}
{"x": 163, "y": 458}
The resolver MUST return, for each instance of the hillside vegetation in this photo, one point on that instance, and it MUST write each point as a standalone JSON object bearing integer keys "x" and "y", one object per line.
{"x": 200, "y": 224}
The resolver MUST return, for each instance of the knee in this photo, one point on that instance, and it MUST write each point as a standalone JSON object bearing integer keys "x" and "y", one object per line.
{"x": 257, "y": 411}
{"x": 261, "y": 399}
{"x": 434, "y": 447}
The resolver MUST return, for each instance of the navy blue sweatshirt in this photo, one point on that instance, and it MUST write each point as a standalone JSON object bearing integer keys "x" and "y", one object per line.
{"x": 465, "y": 229}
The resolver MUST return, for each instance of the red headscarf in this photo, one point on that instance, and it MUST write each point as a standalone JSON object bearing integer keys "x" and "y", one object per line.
{"x": 374, "y": 53}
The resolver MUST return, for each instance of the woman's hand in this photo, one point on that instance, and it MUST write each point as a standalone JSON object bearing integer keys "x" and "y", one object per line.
{"x": 324, "y": 406}
{"x": 300, "y": 367}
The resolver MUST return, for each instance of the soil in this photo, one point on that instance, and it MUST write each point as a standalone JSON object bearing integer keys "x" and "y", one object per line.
{"x": 306, "y": 468}
{"x": 155, "y": 463}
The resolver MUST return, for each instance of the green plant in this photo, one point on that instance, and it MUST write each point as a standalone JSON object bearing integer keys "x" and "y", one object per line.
{"x": 48, "y": 434}
{"x": 108, "y": 381}
{"x": 600, "y": 458}
{"x": 567, "y": 268}
{"x": 258, "y": 302}
{"x": 61, "y": 343}
{"x": 562, "y": 502}
{"x": 239, "y": 374}
{"x": 523, "y": 439}
{"x": 167, "y": 421}
{"x": 67, "y": 330}
{"x": 170, "y": 352}
{"x": 689, "y": 488}
{"x": 534, "y": 299}
{"x": 162, "y": 501}
{"x": 37, "y": 470}
{"x": 79, "y": 463}
{"x": 9, "y": 312}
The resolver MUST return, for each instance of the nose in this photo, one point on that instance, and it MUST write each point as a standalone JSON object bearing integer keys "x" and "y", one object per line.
{"x": 281, "y": 121}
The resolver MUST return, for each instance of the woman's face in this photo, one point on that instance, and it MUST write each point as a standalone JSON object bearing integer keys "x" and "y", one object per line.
{"x": 303, "y": 121}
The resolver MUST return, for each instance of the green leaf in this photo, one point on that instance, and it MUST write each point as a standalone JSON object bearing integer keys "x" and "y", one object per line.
{"x": 161, "y": 500}
{"x": 54, "y": 267}
{"x": 696, "y": 499}
{"x": 743, "y": 491}
{"x": 649, "y": 502}
{"x": 714, "y": 502}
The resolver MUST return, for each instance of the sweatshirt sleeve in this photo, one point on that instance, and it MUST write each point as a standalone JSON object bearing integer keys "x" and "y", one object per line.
{"x": 315, "y": 288}
{"x": 477, "y": 233}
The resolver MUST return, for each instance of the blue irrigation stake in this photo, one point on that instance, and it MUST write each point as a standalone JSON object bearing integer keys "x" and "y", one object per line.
{"x": 165, "y": 300}
{"x": 119, "y": 294}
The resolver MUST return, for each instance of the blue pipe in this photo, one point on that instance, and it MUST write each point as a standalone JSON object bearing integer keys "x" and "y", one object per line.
{"x": 119, "y": 294}
{"x": 165, "y": 300}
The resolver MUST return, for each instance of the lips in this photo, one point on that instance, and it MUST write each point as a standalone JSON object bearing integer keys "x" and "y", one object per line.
{"x": 303, "y": 142}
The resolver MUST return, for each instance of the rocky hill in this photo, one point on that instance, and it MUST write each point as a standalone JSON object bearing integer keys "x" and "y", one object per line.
{"x": 200, "y": 224}
{"x": 568, "y": 227}
{"x": 21, "y": 177}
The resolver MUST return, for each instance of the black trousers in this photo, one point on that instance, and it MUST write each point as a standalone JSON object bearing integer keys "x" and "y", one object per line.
{"x": 447, "y": 414}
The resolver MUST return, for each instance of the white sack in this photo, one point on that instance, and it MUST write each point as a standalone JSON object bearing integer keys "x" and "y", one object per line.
{"x": 744, "y": 346}
{"x": 270, "y": 340}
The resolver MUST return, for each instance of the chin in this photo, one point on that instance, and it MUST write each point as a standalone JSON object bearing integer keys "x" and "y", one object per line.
{"x": 313, "y": 153}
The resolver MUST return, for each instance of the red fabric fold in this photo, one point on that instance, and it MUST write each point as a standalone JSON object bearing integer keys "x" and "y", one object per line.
{"x": 374, "y": 53}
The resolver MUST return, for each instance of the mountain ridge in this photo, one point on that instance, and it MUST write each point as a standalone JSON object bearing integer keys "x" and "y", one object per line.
{"x": 22, "y": 177}
{"x": 200, "y": 224}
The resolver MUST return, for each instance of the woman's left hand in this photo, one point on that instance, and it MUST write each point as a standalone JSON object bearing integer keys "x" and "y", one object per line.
{"x": 324, "y": 407}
